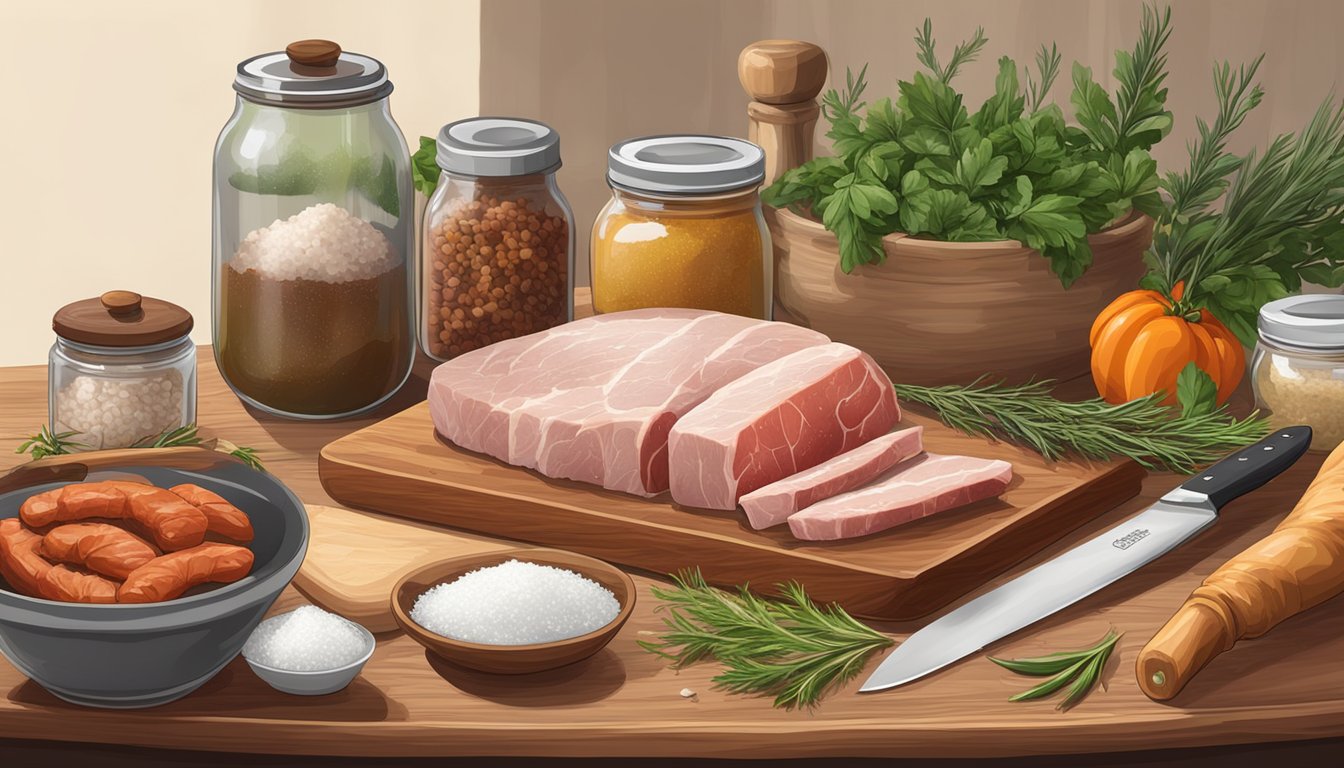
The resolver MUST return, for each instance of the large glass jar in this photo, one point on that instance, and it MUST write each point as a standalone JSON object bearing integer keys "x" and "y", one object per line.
{"x": 122, "y": 371}
{"x": 313, "y": 217}
{"x": 683, "y": 228}
{"x": 498, "y": 250}
{"x": 1297, "y": 371}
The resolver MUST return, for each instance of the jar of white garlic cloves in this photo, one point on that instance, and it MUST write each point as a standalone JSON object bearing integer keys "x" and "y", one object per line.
{"x": 122, "y": 371}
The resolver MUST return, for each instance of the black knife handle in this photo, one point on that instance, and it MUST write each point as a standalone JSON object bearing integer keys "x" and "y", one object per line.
{"x": 1252, "y": 466}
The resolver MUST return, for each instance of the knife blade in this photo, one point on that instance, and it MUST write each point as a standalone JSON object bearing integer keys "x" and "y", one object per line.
{"x": 1171, "y": 521}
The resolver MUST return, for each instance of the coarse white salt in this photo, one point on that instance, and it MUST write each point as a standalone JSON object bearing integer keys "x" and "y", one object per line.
{"x": 323, "y": 242}
{"x": 516, "y": 603}
{"x": 117, "y": 412}
{"x": 307, "y": 639}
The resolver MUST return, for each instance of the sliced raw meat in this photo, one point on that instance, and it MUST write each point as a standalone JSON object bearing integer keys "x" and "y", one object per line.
{"x": 780, "y": 419}
{"x": 772, "y": 504}
{"x": 593, "y": 400}
{"x": 922, "y": 486}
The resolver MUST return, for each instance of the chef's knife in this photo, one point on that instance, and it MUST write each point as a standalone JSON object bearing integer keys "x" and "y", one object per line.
{"x": 1066, "y": 579}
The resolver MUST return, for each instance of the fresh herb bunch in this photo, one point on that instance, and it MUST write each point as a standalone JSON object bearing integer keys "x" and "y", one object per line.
{"x": 47, "y": 443}
{"x": 791, "y": 648}
{"x": 1152, "y": 434}
{"x": 1281, "y": 220}
{"x": 1014, "y": 169}
{"x": 1082, "y": 668}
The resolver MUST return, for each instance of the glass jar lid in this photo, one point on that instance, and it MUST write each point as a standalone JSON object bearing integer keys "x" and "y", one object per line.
{"x": 1313, "y": 321}
{"x": 121, "y": 319}
{"x": 685, "y": 165}
{"x": 312, "y": 74}
{"x": 498, "y": 146}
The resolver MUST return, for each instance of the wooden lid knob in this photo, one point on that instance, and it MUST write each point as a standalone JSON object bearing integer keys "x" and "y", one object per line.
{"x": 782, "y": 71}
{"x": 121, "y": 303}
{"x": 313, "y": 53}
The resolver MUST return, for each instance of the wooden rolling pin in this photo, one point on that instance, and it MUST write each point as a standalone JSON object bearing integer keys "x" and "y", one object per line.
{"x": 1297, "y": 566}
{"x": 783, "y": 78}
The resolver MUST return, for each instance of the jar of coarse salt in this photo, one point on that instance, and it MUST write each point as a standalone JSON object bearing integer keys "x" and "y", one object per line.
{"x": 1297, "y": 371}
{"x": 122, "y": 370}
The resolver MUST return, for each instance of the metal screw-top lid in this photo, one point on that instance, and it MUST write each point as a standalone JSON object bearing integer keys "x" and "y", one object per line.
{"x": 1313, "y": 321}
{"x": 498, "y": 146}
{"x": 314, "y": 74}
{"x": 685, "y": 165}
{"x": 122, "y": 319}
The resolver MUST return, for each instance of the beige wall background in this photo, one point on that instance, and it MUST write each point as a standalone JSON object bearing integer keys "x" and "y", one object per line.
{"x": 603, "y": 70}
{"x": 112, "y": 108}
{"x": 110, "y": 115}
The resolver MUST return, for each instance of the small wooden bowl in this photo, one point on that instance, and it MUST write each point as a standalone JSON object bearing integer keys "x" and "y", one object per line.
{"x": 512, "y": 659}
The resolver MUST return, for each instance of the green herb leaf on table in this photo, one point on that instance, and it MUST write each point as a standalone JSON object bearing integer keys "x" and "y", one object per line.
{"x": 1081, "y": 668}
{"x": 1195, "y": 391}
{"x": 790, "y": 648}
{"x": 1152, "y": 434}
{"x": 1012, "y": 170}
{"x": 47, "y": 443}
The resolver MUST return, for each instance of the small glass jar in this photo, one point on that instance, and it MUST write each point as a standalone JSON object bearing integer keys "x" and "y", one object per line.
{"x": 313, "y": 222}
{"x": 683, "y": 228}
{"x": 497, "y": 258}
{"x": 1297, "y": 371}
{"x": 122, "y": 371}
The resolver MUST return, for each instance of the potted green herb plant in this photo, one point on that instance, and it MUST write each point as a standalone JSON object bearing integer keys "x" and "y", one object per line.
{"x": 951, "y": 243}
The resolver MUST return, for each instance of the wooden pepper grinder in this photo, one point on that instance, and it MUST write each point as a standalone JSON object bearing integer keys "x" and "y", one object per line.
{"x": 783, "y": 78}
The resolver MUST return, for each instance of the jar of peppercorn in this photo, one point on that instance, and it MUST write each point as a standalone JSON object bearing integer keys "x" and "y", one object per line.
{"x": 498, "y": 254}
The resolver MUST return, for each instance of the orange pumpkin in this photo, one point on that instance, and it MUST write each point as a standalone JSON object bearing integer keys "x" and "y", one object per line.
{"x": 1140, "y": 345}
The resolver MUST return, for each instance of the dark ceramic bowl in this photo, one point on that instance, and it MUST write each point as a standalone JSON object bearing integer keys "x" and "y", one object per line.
{"x": 127, "y": 656}
{"x": 512, "y": 659}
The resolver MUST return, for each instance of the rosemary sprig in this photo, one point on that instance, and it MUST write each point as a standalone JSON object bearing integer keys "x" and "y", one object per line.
{"x": 1081, "y": 668}
{"x": 790, "y": 648}
{"x": 1145, "y": 430}
{"x": 46, "y": 443}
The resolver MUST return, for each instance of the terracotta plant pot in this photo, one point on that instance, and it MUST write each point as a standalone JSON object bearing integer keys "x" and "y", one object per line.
{"x": 946, "y": 313}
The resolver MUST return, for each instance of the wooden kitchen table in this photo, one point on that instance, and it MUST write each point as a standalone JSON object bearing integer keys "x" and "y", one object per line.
{"x": 1287, "y": 686}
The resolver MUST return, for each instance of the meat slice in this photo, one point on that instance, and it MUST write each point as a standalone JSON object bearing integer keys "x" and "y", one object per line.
{"x": 922, "y": 486}
{"x": 594, "y": 400}
{"x": 780, "y": 419}
{"x": 772, "y": 504}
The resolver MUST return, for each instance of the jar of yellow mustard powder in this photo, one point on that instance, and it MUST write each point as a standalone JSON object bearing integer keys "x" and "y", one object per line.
{"x": 683, "y": 227}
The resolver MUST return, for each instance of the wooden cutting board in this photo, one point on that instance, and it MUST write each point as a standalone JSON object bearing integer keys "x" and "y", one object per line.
{"x": 399, "y": 466}
{"x": 355, "y": 559}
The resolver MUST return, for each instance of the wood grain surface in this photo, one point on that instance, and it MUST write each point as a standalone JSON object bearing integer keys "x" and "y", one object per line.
{"x": 400, "y": 466}
{"x": 1288, "y": 685}
{"x": 355, "y": 558}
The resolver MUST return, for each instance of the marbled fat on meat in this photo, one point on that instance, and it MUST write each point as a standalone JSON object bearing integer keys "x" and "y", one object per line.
{"x": 922, "y": 486}
{"x": 594, "y": 400}
{"x": 774, "y": 503}
{"x": 780, "y": 419}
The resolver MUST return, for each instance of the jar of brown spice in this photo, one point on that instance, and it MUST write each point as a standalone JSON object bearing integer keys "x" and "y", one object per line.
{"x": 498, "y": 253}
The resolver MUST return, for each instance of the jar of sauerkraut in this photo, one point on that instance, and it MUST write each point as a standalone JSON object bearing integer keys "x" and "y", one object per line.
{"x": 1298, "y": 366}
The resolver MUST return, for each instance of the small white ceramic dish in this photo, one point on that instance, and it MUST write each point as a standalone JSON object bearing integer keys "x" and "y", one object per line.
{"x": 318, "y": 682}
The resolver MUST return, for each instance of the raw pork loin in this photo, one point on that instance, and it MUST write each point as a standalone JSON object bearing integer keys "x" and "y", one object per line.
{"x": 593, "y": 400}
{"x": 780, "y": 419}
{"x": 772, "y": 504}
{"x": 919, "y": 487}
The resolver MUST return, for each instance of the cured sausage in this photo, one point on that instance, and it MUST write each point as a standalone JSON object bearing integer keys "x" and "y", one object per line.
{"x": 171, "y": 521}
{"x": 68, "y": 585}
{"x": 99, "y": 547}
{"x": 168, "y": 576}
{"x": 221, "y": 517}
{"x": 20, "y": 562}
